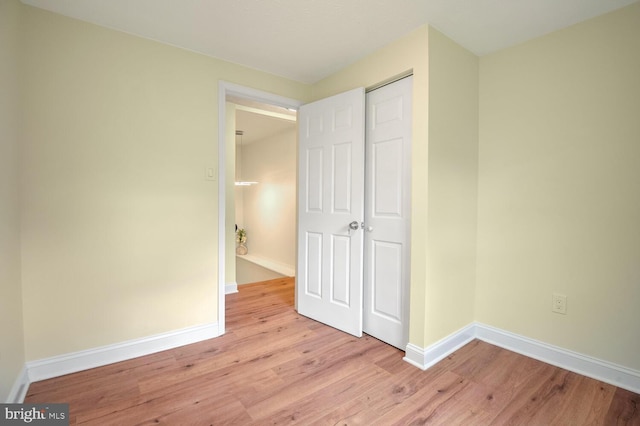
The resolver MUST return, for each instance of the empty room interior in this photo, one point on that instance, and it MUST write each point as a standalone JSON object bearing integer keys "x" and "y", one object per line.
{"x": 118, "y": 203}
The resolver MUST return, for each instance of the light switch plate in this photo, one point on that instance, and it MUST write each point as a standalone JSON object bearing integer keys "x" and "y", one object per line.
{"x": 210, "y": 173}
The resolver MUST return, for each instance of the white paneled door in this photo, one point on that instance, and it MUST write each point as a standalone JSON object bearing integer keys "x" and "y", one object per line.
{"x": 387, "y": 230}
{"x": 354, "y": 229}
{"x": 330, "y": 204}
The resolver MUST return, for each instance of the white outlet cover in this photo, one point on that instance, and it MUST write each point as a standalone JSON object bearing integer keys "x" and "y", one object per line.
{"x": 559, "y": 303}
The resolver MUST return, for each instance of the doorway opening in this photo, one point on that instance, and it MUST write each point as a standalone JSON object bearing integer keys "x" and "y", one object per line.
{"x": 265, "y": 191}
{"x": 226, "y": 136}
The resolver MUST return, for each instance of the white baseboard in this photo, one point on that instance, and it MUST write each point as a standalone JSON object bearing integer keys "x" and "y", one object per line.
{"x": 230, "y": 288}
{"x": 19, "y": 389}
{"x": 424, "y": 358}
{"x": 604, "y": 371}
{"x": 91, "y": 358}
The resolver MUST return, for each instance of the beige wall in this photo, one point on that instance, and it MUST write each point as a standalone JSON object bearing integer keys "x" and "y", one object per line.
{"x": 452, "y": 187}
{"x": 270, "y": 207}
{"x": 559, "y": 195}
{"x": 119, "y": 225}
{"x": 250, "y": 272}
{"x": 11, "y": 331}
{"x": 230, "y": 196}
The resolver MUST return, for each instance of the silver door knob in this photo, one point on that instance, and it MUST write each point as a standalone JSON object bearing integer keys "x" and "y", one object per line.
{"x": 354, "y": 225}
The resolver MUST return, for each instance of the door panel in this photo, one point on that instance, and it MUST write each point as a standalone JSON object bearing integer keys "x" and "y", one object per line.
{"x": 387, "y": 219}
{"x": 314, "y": 180}
{"x": 340, "y": 282}
{"x": 330, "y": 197}
{"x": 313, "y": 276}
{"x": 342, "y": 171}
{"x": 387, "y": 178}
{"x": 387, "y": 280}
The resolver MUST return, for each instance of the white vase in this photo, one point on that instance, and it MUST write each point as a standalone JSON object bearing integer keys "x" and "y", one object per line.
{"x": 241, "y": 249}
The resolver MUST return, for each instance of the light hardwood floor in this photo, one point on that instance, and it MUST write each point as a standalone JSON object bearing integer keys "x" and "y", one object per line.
{"x": 275, "y": 367}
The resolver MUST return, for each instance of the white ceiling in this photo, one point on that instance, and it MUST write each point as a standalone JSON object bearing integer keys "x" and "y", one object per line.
{"x": 307, "y": 40}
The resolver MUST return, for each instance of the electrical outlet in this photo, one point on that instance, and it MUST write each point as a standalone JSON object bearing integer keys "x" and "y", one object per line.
{"x": 559, "y": 304}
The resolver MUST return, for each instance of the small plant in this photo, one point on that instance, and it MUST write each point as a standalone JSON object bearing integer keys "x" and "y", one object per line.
{"x": 241, "y": 236}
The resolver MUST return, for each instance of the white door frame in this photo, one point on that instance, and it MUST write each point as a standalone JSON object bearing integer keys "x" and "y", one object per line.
{"x": 230, "y": 89}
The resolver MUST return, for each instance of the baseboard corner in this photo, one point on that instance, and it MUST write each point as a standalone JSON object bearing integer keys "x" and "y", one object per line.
{"x": 20, "y": 387}
{"x": 414, "y": 355}
{"x": 230, "y": 288}
{"x": 424, "y": 358}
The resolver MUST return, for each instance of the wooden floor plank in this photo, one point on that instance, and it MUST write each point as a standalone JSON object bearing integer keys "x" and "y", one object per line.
{"x": 274, "y": 366}
{"x": 624, "y": 409}
{"x": 313, "y": 407}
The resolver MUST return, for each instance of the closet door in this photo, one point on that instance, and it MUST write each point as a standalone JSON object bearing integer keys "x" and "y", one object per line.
{"x": 330, "y": 210}
{"x": 387, "y": 213}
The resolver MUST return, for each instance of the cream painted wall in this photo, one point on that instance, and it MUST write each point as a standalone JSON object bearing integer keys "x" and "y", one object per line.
{"x": 250, "y": 272}
{"x": 119, "y": 225}
{"x": 230, "y": 205}
{"x": 12, "y": 355}
{"x": 270, "y": 207}
{"x": 559, "y": 201}
{"x": 238, "y": 190}
{"x": 452, "y": 187}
